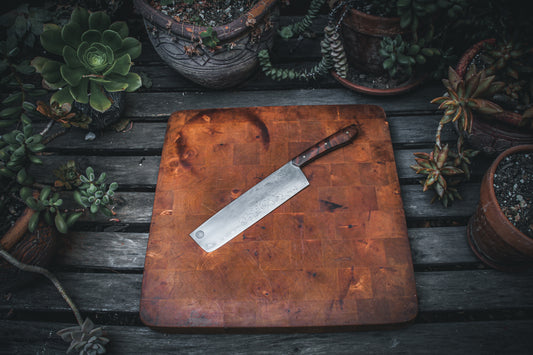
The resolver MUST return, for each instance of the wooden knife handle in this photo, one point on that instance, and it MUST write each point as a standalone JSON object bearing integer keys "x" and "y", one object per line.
{"x": 336, "y": 140}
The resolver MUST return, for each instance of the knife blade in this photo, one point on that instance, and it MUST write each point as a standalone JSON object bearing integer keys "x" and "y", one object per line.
{"x": 266, "y": 195}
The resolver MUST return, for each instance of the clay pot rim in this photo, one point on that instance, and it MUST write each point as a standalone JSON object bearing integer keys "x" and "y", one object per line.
{"x": 17, "y": 230}
{"x": 506, "y": 117}
{"x": 378, "y": 92}
{"x": 224, "y": 32}
{"x": 490, "y": 175}
{"x": 381, "y": 25}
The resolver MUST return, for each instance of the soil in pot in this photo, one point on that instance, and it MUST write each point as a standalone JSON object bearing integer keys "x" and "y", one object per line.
{"x": 513, "y": 186}
{"x": 204, "y": 13}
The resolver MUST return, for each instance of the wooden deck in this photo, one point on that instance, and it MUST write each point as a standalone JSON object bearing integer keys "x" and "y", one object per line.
{"x": 464, "y": 307}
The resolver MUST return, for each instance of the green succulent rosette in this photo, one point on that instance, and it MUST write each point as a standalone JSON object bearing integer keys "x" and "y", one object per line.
{"x": 97, "y": 57}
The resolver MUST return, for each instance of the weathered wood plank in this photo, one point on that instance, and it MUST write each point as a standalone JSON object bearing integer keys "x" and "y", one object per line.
{"x": 417, "y": 204}
{"x": 442, "y": 291}
{"x": 442, "y": 246}
{"x": 161, "y": 105}
{"x": 491, "y": 337}
{"x": 149, "y": 136}
{"x": 136, "y": 207}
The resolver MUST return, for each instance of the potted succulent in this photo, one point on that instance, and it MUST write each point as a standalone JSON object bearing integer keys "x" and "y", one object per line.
{"x": 446, "y": 168}
{"x": 490, "y": 107}
{"x": 511, "y": 63}
{"x": 501, "y": 230}
{"x": 219, "y": 53}
{"x": 371, "y": 54}
{"x": 391, "y": 45}
{"x": 90, "y": 67}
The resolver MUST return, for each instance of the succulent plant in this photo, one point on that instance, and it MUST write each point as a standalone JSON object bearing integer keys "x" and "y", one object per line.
{"x": 444, "y": 171}
{"x": 96, "y": 58}
{"x": 85, "y": 338}
{"x": 94, "y": 193}
{"x": 301, "y": 26}
{"x": 400, "y": 56}
{"x": 464, "y": 96}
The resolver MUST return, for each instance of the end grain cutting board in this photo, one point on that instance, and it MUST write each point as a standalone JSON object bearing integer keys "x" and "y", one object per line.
{"x": 336, "y": 254}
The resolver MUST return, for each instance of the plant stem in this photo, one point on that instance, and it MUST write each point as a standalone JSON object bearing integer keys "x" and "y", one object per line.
{"x": 39, "y": 270}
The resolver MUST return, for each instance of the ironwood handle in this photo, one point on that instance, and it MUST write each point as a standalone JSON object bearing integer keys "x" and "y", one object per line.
{"x": 336, "y": 140}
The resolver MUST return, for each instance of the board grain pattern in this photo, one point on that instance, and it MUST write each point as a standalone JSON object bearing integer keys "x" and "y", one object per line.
{"x": 336, "y": 254}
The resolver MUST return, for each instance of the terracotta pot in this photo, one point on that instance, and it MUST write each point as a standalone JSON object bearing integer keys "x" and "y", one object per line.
{"x": 492, "y": 237}
{"x": 219, "y": 68}
{"x": 362, "y": 35}
{"x": 35, "y": 248}
{"x": 410, "y": 85}
{"x": 494, "y": 135}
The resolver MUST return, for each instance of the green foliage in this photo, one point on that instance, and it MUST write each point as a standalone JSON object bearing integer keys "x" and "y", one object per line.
{"x": 25, "y": 24}
{"x": 466, "y": 95}
{"x": 85, "y": 338}
{"x": 400, "y": 57}
{"x": 96, "y": 58}
{"x": 444, "y": 170}
{"x": 209, "y": 37}
{"x": 301, "y": 26}
{"x": 320, "y": 69}
{"x": 94, "y": 193}
{"x": 18, "y": 149}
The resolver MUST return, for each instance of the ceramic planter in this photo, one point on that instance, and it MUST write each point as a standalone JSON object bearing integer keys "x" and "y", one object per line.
{"x": 492, "y": 136}
{"x": 492, "y": 237}
{"x": 362, "y": 35}
{"x": 235, "y": 58}
{"x": 35, "y": 248}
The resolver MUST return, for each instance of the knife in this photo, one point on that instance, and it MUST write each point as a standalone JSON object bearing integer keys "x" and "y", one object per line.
{"x": 266, "y": 195}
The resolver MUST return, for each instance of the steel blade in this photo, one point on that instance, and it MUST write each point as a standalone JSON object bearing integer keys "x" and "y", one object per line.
{"x": 250, "y": 207}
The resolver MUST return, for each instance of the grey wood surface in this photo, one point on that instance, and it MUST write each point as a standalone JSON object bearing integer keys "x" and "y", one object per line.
{"x": 464, "y": 307}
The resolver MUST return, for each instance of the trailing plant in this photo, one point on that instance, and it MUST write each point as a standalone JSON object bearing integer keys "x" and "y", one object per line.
{"x": 95, "y": 58}
{"x": 332, "y": 56}
{"x": 85, "y": 338}
{"x": 301, "y": 26}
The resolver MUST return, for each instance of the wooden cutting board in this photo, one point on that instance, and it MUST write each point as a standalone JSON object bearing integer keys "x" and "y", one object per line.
{"x": 336, "y": 254}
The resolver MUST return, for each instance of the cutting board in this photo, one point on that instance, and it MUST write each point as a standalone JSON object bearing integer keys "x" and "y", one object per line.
{"x": 336, "y": 254}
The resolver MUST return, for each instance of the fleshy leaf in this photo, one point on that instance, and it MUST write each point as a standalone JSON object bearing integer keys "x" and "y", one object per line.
{"x": 91, "y": 36}
{"x": 71, "y": 34}
{"x": 99, "y": 21}
{"x": 113, "y": 86}
{"x": 98, "y": 99}
{"x": 121, "y": 28}
{"x": 131, "y": 46}
{"x": 79, "y": 92}
{"x": 71, "y": 57}
{"x": 81, "y": 17}
{"x": 121, "y": 66}
{"x": 38, "y": 63}
{"x": 50, "y": 71}
{"x": 71, "y": 75}
{"x": 134, "y": 82}
{"x": 51, "y": 40}
{"x": 112, "y": 39}
{"x": 62, "y": 96}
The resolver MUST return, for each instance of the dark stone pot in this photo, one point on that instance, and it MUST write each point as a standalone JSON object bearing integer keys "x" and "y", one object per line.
{"x": 227, "y": 66}
{"x": 101, "y": 120}
{"x": 35, "y": 248}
